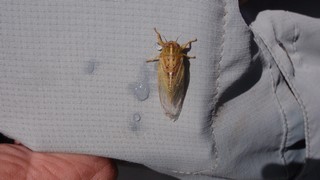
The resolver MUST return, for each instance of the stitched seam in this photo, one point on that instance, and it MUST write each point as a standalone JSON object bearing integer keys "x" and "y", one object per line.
{"x": 220, "y": 59}
{"x": 306, "y": 123}
{"x": 295, "y": 93}
{"x": 215, "y": 98}
{"x": 285, "y": 121}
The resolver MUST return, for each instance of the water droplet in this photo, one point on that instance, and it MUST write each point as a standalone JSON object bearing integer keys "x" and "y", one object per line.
{"x": 90, "y": 67}
{"x": 141, "y": 90}
{"x": 136, "y": 117}
{"x": 157, "y": 46}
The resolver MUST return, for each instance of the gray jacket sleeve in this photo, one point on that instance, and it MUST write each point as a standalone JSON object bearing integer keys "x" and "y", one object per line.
{"x": 73, "y": 78}
{"x": 293, "y": 42}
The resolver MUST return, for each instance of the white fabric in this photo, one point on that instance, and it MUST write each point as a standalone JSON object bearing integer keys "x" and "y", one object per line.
{"x": 69, "y": 70}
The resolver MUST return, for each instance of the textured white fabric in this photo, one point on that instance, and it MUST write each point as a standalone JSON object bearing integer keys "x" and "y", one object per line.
{"x": 69, "y": 69}
{"x": 54, "y": 100}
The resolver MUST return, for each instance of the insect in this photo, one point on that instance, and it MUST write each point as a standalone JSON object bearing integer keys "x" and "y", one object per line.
{"x": 172, "y": 78}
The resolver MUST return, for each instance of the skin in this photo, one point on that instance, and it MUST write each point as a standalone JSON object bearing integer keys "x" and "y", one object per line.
{"x": 19, "y": 162}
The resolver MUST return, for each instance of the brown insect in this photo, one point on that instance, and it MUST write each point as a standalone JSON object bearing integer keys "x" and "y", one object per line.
{"x": 172, "y": 78}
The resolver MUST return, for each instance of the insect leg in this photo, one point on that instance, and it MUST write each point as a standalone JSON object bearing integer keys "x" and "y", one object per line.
{"x": 189, "y": 57}
{"x": 154, "y": 59}
{"x": 184, "y": 46}
{"x": 160, "y": 42}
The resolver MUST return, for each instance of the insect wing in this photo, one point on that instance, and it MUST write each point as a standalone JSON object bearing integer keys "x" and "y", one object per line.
{"x": 172, "y": 98}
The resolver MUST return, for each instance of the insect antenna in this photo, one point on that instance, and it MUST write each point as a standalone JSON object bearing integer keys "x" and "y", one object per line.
{"x": 178, "y": 38}
{"x": 164, "y": 38}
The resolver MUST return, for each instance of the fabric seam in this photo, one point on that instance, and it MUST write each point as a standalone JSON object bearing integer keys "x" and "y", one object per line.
{"x": 294, "y": 90}
{"x": 306, "y": 123}
{"x": 285, "y": 121}
{"x": 215, "y": 98}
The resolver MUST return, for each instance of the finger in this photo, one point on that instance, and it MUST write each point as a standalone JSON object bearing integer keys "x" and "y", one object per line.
{"x": 18, "y": 162}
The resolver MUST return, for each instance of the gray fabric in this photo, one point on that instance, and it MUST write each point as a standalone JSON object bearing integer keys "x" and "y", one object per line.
{"x": 53, "y": 100}
{"x": 293, "y": 41}
{"x": 69, "y": 70}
